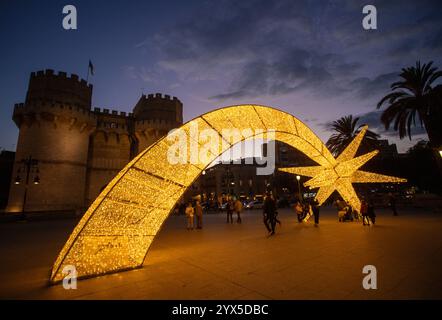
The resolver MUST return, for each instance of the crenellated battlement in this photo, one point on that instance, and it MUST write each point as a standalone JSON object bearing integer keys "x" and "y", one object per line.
{"x": 106, "y": 111}
{"x": 51, "y": 110}
{"x": 39, "y": 105}
{"x": 49, "y": 73}
{"x": 48, "y": 85}
{"x": 157, "y": 96}
{"x": 158, "y": 106}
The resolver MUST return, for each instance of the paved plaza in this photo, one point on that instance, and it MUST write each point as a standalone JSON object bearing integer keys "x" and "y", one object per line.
{"x": 239, "y": 261}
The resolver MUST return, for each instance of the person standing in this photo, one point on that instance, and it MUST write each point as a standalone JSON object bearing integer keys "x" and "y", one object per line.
{"x": 364, "y": 213}
{"x": 219, "y": 203}
{"x": 341, "y": 205}
{"x": 269, "y": 209}
{"x": 229, "y": 209}
{"x": 199, "y": 215}
{"x": 189, "y": 214}
{"x": 370, "y": 212}
{"x": 315, "y": 208}
{"x": 238, "y": 209}
{"x": 299, "y": 210}
{"x": 392, "y": 203}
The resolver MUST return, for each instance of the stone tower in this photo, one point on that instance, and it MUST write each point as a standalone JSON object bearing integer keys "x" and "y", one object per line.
{"x": 55, "y": 123}
{"x": 78, "y": 150}
{"x": 155, "y": 116}
{"x": 119, "y": 137}
{"x": 110, "y": 149}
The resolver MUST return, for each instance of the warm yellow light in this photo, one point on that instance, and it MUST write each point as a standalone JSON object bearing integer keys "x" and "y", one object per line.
{"x": 341, "y": 173}
{"x": 298, "y": 178}
{"x": 118, "y": 228}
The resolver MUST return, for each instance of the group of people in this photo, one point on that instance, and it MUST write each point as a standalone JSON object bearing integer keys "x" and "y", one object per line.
{"x": 367, "y": 212}
{"x": 304, "y": 210}
{"x": 192, "y": 211}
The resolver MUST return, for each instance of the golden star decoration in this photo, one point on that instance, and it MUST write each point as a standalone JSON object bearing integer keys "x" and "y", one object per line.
{"x": 342, "y": 173}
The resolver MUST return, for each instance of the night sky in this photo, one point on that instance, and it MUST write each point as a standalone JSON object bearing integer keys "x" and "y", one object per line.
{"x": 310, "y": 58}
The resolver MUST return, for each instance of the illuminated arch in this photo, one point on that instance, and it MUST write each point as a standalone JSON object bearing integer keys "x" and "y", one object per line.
{"x": 118, "y": 228}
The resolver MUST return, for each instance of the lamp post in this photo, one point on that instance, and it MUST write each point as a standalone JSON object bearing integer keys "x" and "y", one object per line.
{"x": 203, "y": 186}
{"x": 298, "y": 178}
{"x": 29, "y": 165}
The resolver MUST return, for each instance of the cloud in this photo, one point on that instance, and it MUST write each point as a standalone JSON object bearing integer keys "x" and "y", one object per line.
{"x": 373, "y": 120}
{"x": 365, "y": 87}
{"x": 141, "y": 73}
{"x": 290, "y": 71}
{"x": 265, "y": 48}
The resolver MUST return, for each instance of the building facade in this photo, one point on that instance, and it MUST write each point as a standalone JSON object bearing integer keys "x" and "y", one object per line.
{"x": 68, "y": 152}
{"x": 239, "y": 178}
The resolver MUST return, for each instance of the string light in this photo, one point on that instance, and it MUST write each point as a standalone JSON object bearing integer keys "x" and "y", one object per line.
{"x": 118, "y": 228}
{"x": 341, "y": 173}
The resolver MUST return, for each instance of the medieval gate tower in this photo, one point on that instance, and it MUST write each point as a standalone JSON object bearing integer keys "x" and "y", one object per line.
{"x": 77, "y": 150}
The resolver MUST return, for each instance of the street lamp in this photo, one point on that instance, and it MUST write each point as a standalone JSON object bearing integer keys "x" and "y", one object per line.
{"x": 298, "y": 178}
{"x": 29, "y": 165}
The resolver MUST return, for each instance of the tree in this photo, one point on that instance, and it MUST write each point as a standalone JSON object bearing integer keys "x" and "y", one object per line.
{"x": 422, "y": 168}
{"x": 414, "y": 97}
{"x": 346, "y": 129}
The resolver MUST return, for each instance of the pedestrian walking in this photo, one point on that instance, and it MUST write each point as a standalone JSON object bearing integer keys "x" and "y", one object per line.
{"x": 199, "y": 215}
{"x": 269, "y": 209}
{"x": 276, "y": 218}
{"x": 189, "y": 214}
{"x": 315, "y": 209}
{"x": 238, "y": 208}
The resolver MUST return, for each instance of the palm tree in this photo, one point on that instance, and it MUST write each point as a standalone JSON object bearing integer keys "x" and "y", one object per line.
{"x": 412, "y": 97}
{"x": 346, "y": 129}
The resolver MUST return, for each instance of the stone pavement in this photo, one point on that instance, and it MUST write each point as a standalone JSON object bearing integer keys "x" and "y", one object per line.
{"x": 239, "y": 261}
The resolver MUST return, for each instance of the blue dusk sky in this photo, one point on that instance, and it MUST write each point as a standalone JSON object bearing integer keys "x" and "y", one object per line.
{"x": 310, "y": 58}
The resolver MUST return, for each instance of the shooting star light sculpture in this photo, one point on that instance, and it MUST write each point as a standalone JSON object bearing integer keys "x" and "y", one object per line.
{"x": 342, "y": 173}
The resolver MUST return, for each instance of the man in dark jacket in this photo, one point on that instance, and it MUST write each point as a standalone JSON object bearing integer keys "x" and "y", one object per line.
{"x": 269, "y": 210}
{"x": 315, "y": 209}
